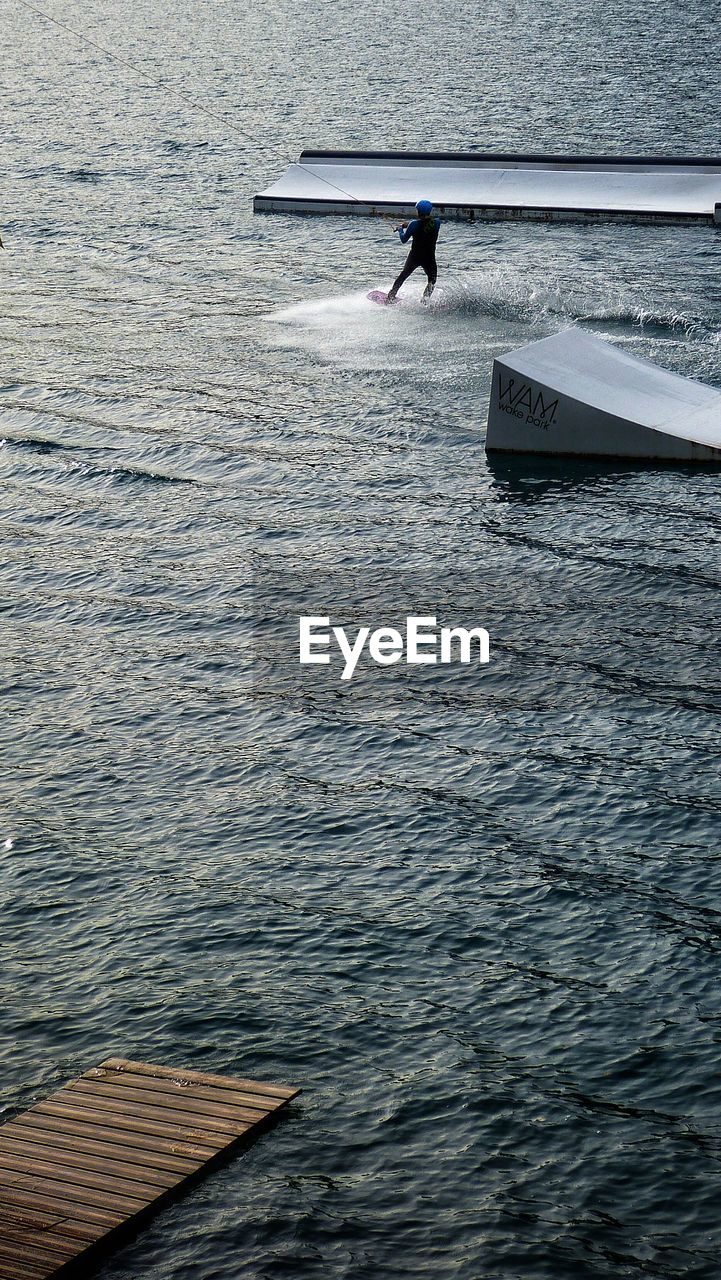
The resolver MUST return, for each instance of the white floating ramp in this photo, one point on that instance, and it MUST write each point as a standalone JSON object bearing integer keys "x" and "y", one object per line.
{"x": 470, "y": 185}
{"x": 576, "y": 395}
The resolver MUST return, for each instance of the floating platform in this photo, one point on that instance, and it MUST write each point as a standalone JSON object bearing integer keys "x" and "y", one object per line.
{"x": 85, "y": 1166}
{"x": 474, "y": 185}
{"x": 576, "y": 395}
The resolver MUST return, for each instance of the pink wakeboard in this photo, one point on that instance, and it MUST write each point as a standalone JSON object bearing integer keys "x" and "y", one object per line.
{"x": 381, "y": 297}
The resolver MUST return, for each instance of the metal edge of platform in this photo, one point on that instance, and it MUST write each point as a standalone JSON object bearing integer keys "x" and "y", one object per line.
{"x": 475, "y": 212}
{"x": 492, "y": 157}
{"x": 628, "y": 459}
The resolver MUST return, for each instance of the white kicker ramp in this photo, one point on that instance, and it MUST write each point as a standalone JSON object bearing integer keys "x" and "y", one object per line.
{"x": 576, "y": 395}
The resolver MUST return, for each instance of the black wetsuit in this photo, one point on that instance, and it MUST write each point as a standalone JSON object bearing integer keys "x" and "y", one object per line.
{"x": 424, "y": 234}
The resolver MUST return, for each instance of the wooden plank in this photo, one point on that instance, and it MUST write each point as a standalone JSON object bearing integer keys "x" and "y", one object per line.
{"x": 24, "y": 1244}
{"x": 21, "y": 1198}
{"x": 132, "y": 1124}
{"x": 178, "y": 1157}
{"x": 169, "y": 1098}
{"x": 9, "y": 1271}
{"x": 57, "y": 1185}
{"x": 27, "y": 1217}
{"x": 28, "y": 1251}
{"x": 166, "y": 1115}
{"x": 99, "y": 1141}
{"x": 108, "y": 1149}
{"x": 14, "y": 1233}
{"x": 55, "y": 1226}
{"x": 58, "y": 1167}
{"x": 78, "y": 1158}
{"x": 282, "y": 1092}
{"x": 186, "y": 1090}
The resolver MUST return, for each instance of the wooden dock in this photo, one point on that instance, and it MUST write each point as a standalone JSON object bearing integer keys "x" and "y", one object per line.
{"x": 110, "y": 1148}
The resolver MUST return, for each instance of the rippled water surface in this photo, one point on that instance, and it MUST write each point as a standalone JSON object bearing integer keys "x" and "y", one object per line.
{"x": 475, "y": 914}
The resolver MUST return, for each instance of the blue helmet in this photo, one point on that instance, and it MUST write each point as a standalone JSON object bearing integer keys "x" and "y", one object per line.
{"x": 424, "y": 207}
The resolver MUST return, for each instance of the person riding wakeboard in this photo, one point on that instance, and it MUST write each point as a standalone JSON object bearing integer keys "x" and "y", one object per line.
{"x": 423, "y": 232}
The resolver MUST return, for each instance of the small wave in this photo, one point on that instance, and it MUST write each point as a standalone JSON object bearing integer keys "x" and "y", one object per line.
{"x": 83, "y": 175}
{"x": 173, "y": 145}
{"x": 118, "y": 474}
{"x": 33, "y": 446}
{"x": 648, "y": 320}
{"x": 129, "y": 475}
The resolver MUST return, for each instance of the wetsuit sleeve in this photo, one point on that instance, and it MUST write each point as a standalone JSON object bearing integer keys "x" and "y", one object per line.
{"x": 405, "y": 234}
